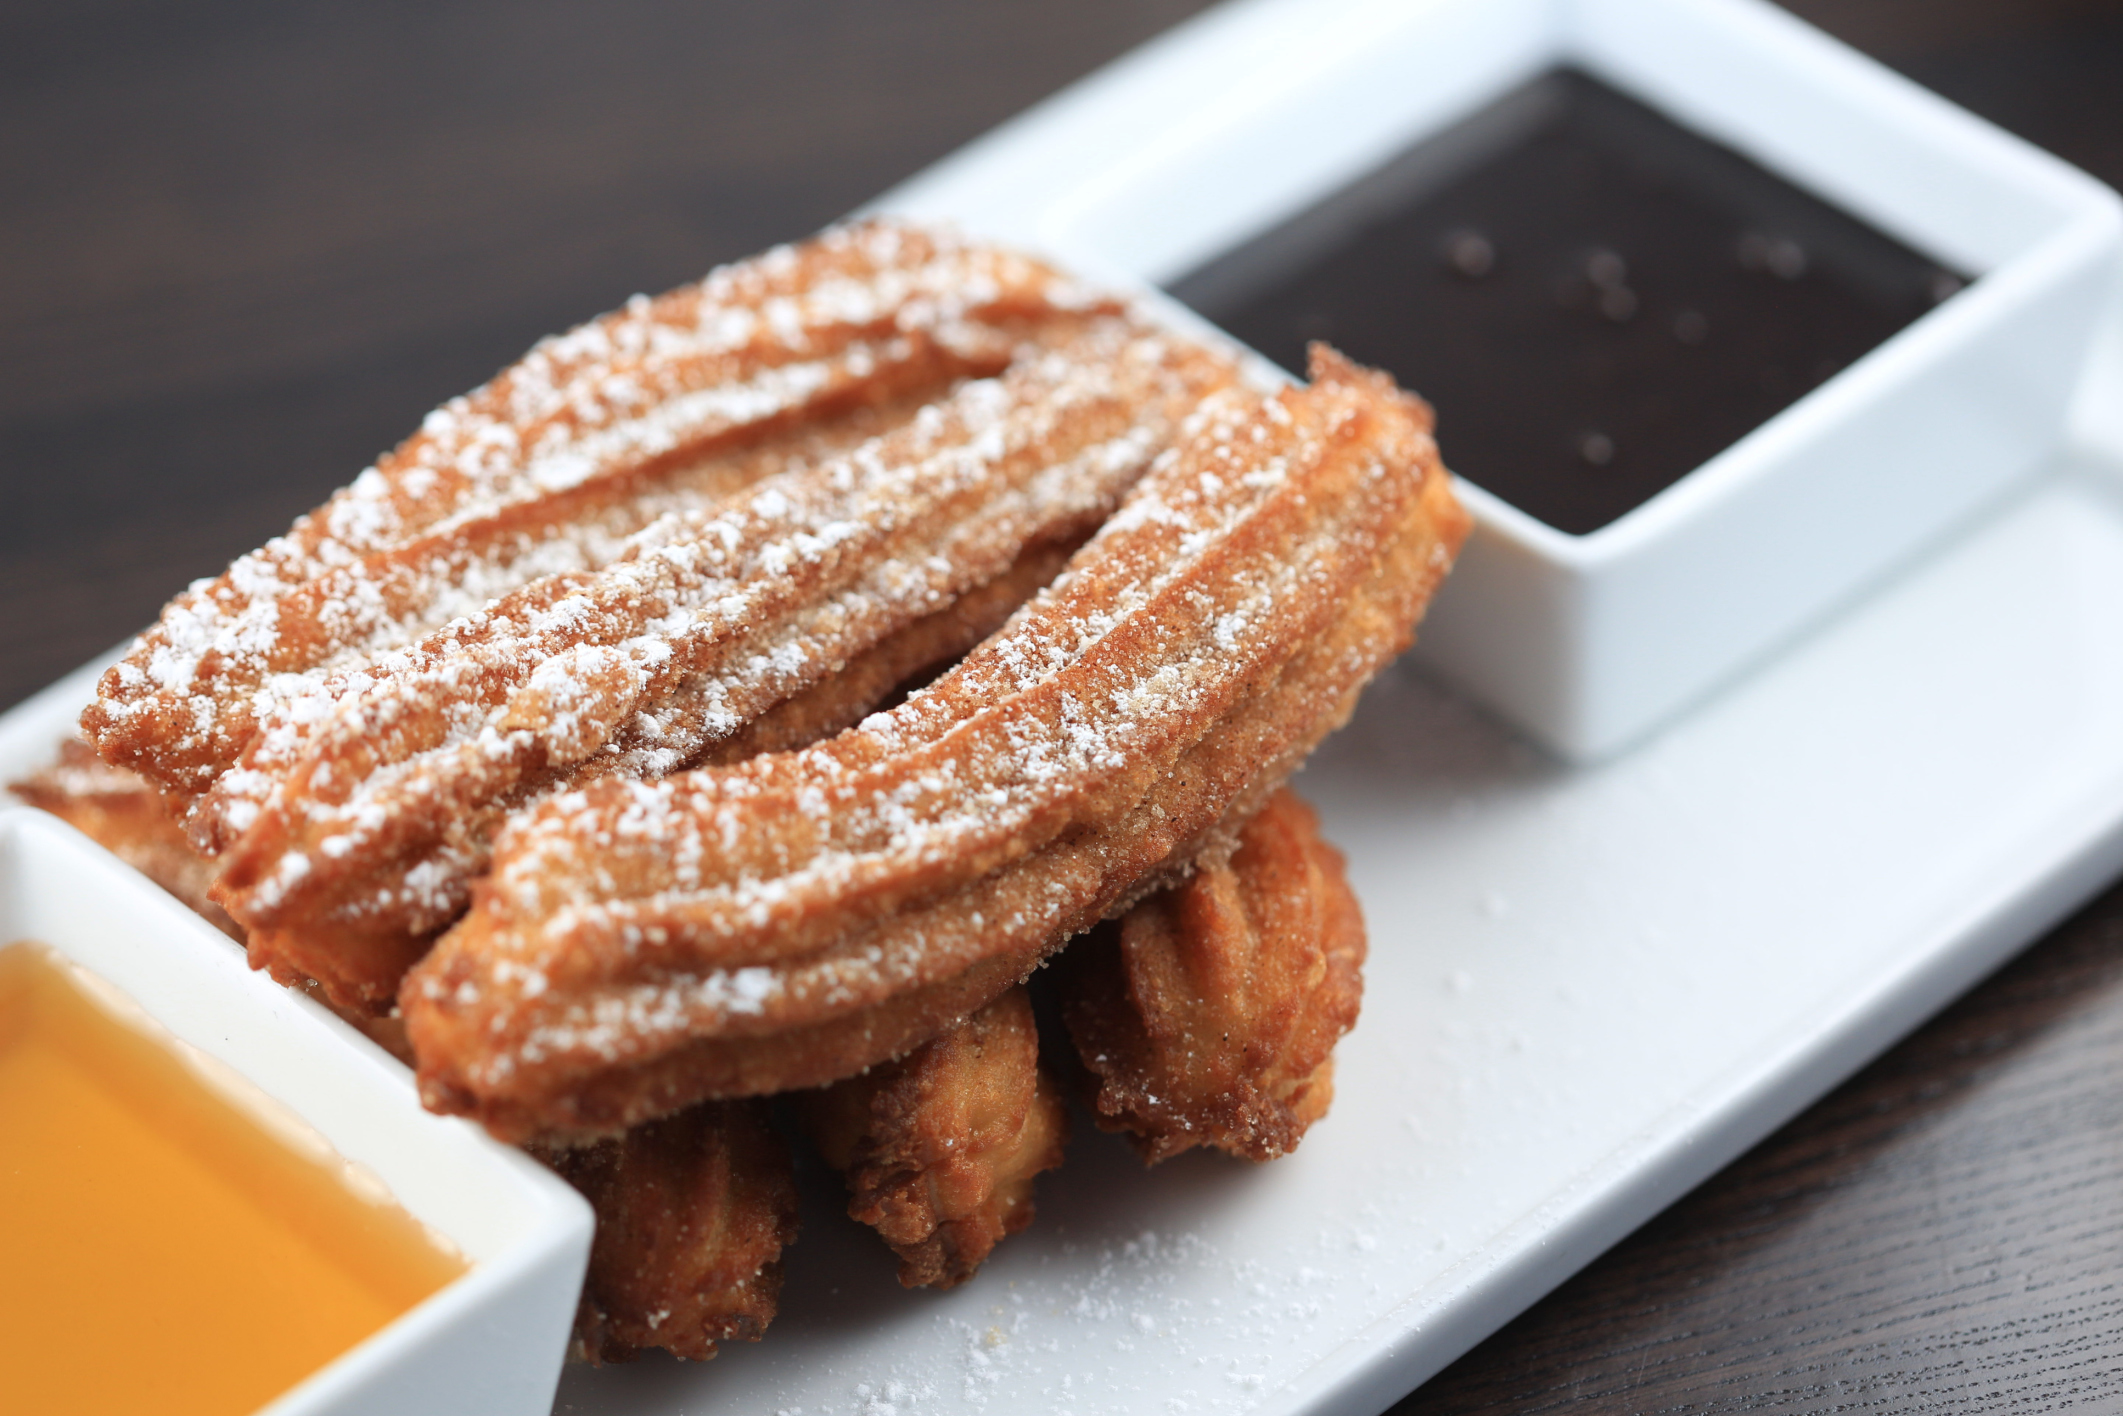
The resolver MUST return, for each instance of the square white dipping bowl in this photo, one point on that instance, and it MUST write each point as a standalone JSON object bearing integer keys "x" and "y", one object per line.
{"x": 493, "y": 1340}
{"x": 1233, "y": 124}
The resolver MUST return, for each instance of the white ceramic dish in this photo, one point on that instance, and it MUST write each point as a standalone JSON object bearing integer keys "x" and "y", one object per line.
{"x": 1230, "y": 125}
{"x": 491, "y": 1341}
{"x": 1590, "y": 987}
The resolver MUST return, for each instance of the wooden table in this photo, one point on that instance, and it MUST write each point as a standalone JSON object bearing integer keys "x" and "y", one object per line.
{"x": 243, "y": 247}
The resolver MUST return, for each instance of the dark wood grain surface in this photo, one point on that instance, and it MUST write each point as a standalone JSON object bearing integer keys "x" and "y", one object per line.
{"x": 243, "y": 246}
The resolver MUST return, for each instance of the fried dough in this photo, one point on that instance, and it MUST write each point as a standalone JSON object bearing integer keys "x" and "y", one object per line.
{"x": 779, "y": 671}
{"x": 549, "y": 467}
{"x": 122, "y": 812}
{"x": 693, "y": 1212}
{"x": 375, "y": 795}
{"x": 1208, "y": 1014}
{"x": 939, "y": 1149}
{"x": 795, "y": 919}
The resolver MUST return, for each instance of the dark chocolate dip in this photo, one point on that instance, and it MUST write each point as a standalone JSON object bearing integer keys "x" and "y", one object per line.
{"x": 1596, "y": 299}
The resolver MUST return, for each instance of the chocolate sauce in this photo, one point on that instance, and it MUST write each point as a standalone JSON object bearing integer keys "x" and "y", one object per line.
{"x": 1597, "y": 300}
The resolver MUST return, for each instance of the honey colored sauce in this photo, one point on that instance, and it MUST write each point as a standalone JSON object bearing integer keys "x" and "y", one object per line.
{"x": 161, "y": 1247}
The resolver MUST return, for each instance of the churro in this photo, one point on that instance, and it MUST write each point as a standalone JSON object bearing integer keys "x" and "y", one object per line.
{"x": 792, "y": 920}
{"x": 939, "y": 1149}
{"x": 1208, "y": 1014}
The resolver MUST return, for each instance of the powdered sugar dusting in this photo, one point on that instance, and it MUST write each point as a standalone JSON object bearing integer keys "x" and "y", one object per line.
{"x": 706, "y": 618}
{"x": 1225, "y": 563}
{"x": 452, "y": 517}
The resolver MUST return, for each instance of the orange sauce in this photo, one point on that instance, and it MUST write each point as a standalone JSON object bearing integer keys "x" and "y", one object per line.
{"x": 163, "y": 1246}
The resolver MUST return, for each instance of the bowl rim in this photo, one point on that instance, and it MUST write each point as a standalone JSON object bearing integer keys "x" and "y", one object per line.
{"x": 2068, "y": 217}
{"x": 328, "y": 1078}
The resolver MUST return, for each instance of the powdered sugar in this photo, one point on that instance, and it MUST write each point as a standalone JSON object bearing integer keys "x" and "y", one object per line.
{"x": 707, "y": 617}
{"x": 1004, "y": 806}
{"x": 454, "y": 516}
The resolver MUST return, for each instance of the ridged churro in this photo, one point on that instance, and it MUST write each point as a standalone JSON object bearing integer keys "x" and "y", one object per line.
{"x": 939, "y": 1149}
{"x": 693, "y": 1212}
{"x": 791, "y": 920}
{"x": 1208, "y": 1014}
{"x": 549, "y": 467}
{"x": 745, "y": 692}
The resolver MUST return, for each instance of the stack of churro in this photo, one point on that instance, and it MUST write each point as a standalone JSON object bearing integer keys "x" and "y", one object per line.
{"x": 746, "y": 693}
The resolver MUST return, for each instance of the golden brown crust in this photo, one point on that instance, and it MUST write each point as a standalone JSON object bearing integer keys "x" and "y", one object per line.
{"x": 901, "y": 662}
{"x": 693, "y": 1212}
{"x": 355, "y": 969}
{"x": 500, "y": 484}
{"x": 939, "y": 1149}
{"x": 583, "y": 454}
{"x": 605, "y": 638}
{"x": 356, "y": 961}
{"x": 1209, "y": 1014}
{"x": 803, "y": 916}
{"x": 365, "y": 807}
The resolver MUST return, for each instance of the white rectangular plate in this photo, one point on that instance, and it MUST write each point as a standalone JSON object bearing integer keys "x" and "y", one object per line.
{"x": 1588, "y": 990}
